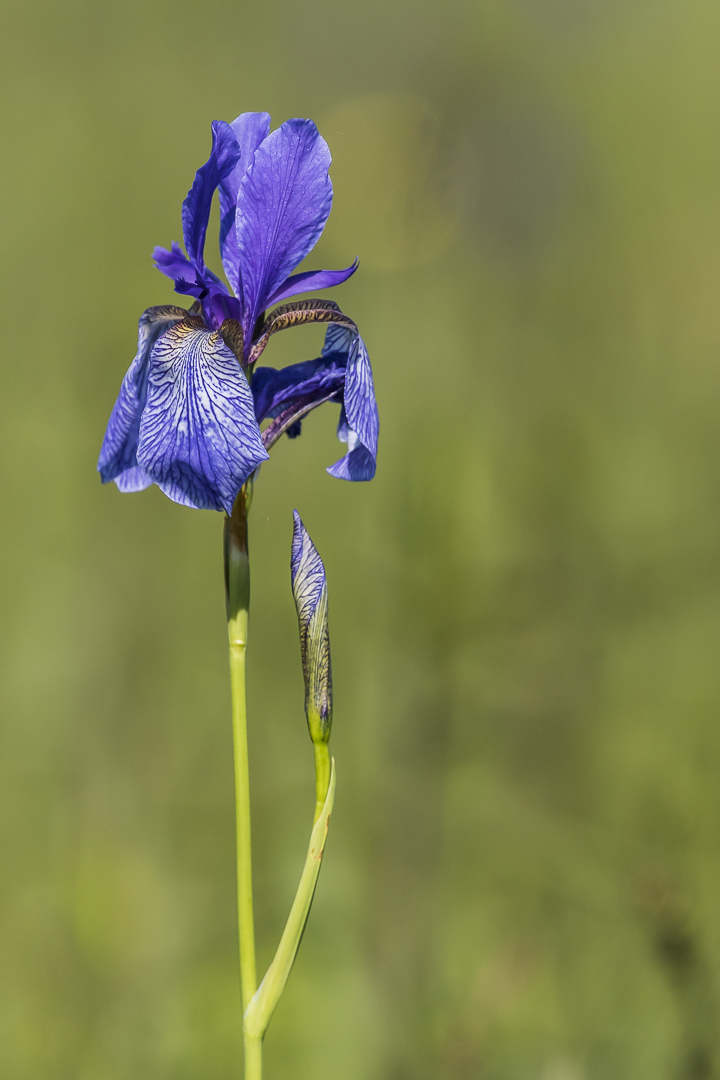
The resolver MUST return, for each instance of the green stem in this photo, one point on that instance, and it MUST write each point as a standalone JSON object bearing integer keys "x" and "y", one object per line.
{"x": 253, "y": 1057}
{"x": 322, "y": 777}
{"x": 258, "y": 1013}
{"x": 242, "y": 813}
{"x": 237, "y": 593}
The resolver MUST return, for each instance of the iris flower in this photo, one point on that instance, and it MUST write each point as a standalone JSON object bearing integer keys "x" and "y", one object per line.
{"x": 189, "y": 410}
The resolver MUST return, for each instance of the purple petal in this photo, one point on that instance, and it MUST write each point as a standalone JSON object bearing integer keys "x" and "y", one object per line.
{"x": 118, "y": 453}
{"x": 249, "y": 130}
{"x": 307, "y": 574}
{"x": 218, "y": 307}
{"x": 199, "y": 440}
{"x": 359, "y": 399}
{"x": 196, "y": 208}
{"x": 310, "y": 281}
{"x": 274, "y": 390}
{"x": 358, "y": 464}
{"x": 174, "y": 263}
{"x": 359, "y": 423}
{"x": 188, "y": 280}
{"x": 338, "y": 339}
{"x": 283, "y": 204}
{"x": 133, "y": 480}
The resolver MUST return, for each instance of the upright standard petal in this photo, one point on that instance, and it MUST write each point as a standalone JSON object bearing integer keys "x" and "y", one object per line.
{"x": 118, "y": 459}
{"x": 283, "y": 204}
{"x": 196, "y": 208}
{"x": 310, "y": 591}
{"x": 199, "y": 440}
{"x": 250, "y": 129}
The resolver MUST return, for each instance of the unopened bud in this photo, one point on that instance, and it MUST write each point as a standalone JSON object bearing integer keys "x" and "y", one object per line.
{"x": 310, "y": 591}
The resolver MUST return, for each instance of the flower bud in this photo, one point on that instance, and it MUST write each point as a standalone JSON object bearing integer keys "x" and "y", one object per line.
{"x": 310, "y": 591}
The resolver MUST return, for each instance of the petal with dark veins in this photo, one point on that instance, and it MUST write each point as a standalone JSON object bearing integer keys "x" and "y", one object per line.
{"x": 199, "y": 439}
{"x": 359, "y": 424}
{"x": 118, "y": 459}
{"x": 309, "y": 588}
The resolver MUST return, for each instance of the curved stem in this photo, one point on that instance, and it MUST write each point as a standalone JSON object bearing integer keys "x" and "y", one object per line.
{"x": 237, "y": 593}
{"x": 258, "y": 1013}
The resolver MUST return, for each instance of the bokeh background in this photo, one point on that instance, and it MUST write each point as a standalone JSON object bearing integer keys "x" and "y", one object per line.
{"x": 523, "y": 875}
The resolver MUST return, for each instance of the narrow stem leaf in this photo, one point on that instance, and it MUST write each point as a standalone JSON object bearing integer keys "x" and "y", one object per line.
{"x": 258, "y": 1012}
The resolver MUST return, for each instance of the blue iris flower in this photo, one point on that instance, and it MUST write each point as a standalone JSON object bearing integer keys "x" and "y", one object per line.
{"x": 188, "y": 414}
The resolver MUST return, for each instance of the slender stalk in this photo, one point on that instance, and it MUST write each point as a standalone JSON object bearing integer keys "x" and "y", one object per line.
{"x": 322, "y": 777}
{"x": 242, "y": 813}
{"x": 253, "y": 1057}
{"x": 237, "y": 594}
{"x": 258, "y": 1013}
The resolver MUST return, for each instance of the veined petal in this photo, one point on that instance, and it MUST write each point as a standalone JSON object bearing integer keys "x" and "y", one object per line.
{"x": 118, "y": 454}
{"x": 338, "y": 339}
{"x": 297, "y": 314}
{"x": 310, "y": 591}
{"x": 133, "y": 480}
{"x": 283, "y": 203}
{"x": 311, "y": 281}
{"x": 359, "y": 423}
{"x": 358, "y": 463}
{"x": 291, "y": 393}
{"x": 249, "y": 129}
{"x": 359, "y": 399}
{"x": 273, "y": 390}
{"x": 196, "y": 208}
{"x": 289, "y": 421}
{"x": 307, "y": 574}
{"x": 199, "y": 440}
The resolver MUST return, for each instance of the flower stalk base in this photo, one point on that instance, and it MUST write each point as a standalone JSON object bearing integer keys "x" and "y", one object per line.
{"x": 259, "y": 1003}
{"x": 237, "y": 596}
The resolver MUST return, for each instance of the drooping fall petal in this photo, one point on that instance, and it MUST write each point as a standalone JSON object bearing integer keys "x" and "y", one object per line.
{"x": 199, "y": 439}
{"x": 118, "y": 460}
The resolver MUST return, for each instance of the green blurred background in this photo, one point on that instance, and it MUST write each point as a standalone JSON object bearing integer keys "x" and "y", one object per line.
{"x": 523, "y": 875}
